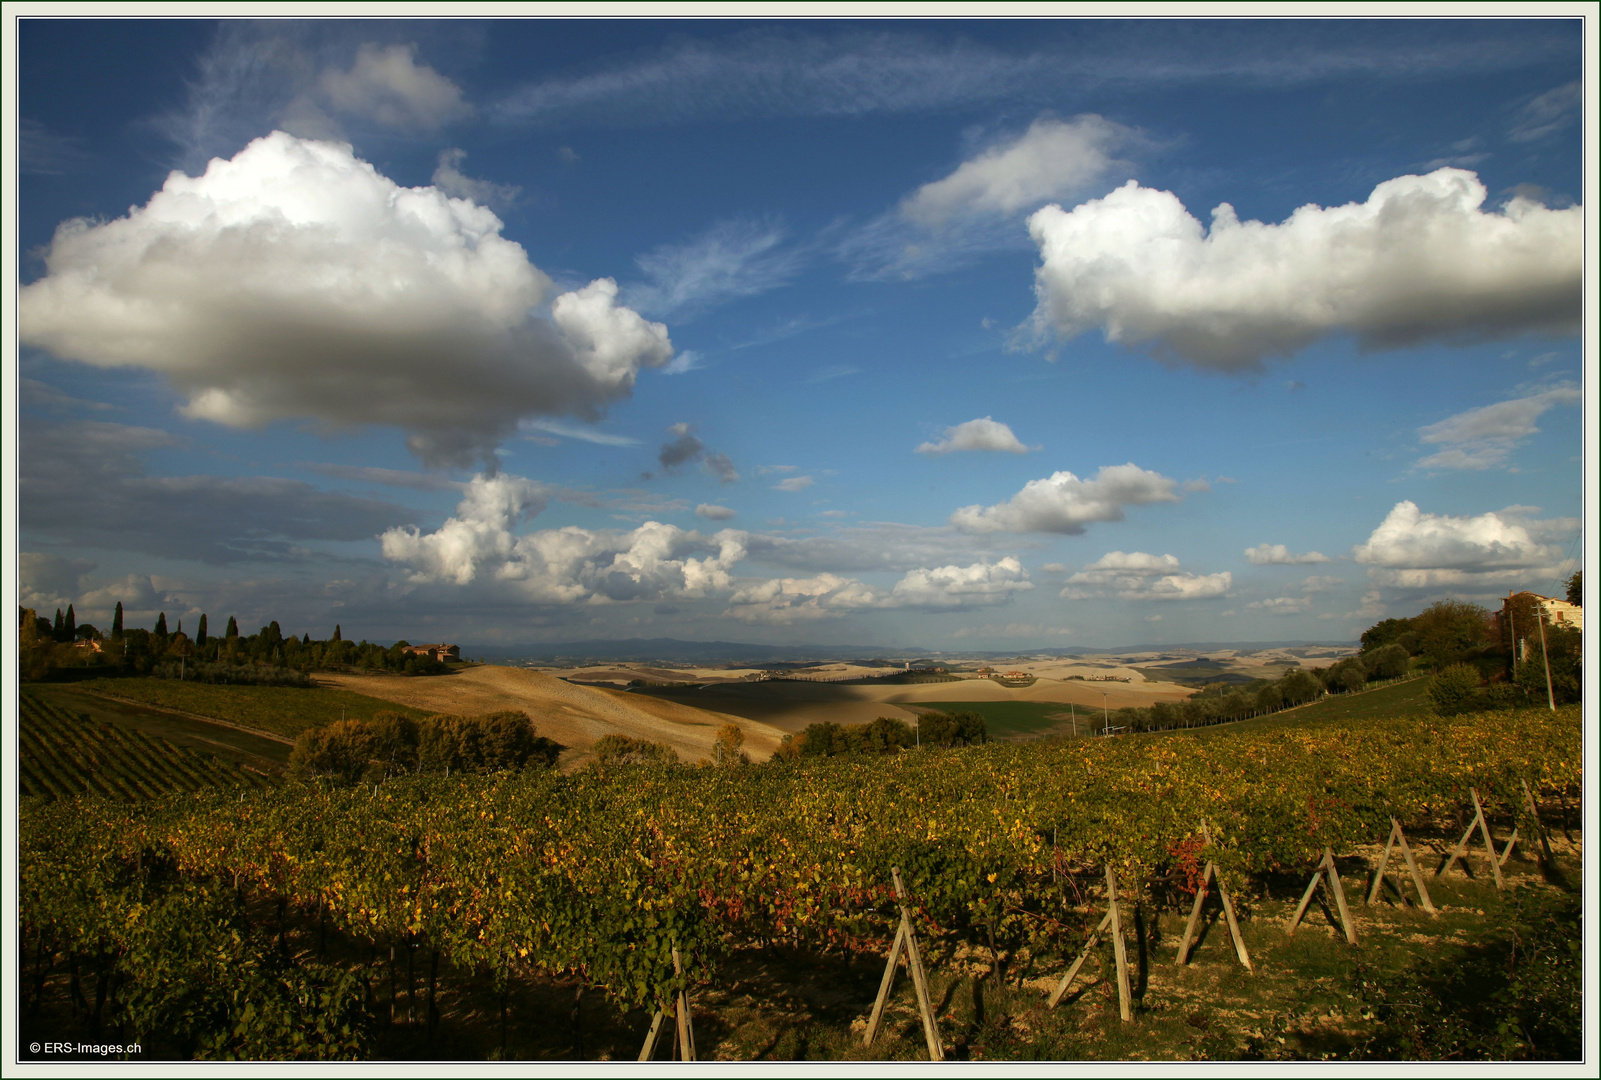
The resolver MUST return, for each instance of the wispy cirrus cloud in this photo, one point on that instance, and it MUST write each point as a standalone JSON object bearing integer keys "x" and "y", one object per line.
{"x": 1484, "y": 438}
{"x": 730, "y": 260}
{"x": 766, "y": 73}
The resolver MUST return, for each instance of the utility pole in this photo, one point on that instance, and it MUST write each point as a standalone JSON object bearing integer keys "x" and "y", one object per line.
{"x": 1072, "y": 712}
{"x": 1512, "y": 635}
{"x": 1545, "y": 658}
{"x": 1106, "y": 718}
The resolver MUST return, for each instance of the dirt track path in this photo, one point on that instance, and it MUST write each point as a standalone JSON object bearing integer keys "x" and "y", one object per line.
{"x": 575, "y": 716}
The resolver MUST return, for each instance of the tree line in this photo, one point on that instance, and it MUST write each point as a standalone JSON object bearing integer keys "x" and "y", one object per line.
{"x": 66, "y": 648}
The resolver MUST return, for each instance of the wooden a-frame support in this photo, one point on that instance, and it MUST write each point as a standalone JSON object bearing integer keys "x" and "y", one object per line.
{"x": 906, "y": 940}
{"x": 1114, "y": 920}
{"x": 1545, "y": 841}
{"x": 686, "y": 1030}
{"x": 1329, "y": 875}
{"x": 1208, "y": 875}
{"x": 1461, "y": 851}
{"x": 1379, "y": 879}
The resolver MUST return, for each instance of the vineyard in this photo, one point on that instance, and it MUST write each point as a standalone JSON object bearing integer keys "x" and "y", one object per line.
{"x": 66, "y": 755}
{"x": 278, "y": 925}
{"x": 284, "y": 711}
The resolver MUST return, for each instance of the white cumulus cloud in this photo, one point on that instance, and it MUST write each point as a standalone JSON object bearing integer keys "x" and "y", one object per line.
{"x": 1485, "y": 437}
{"x": 794, "y": 483}
{"x": 569, "y": 565}
{"x": 1064, "y": 503}
{"x": 714, "y": 513}
{"x": 1137, "y": 575}
{"x": 296, "y": 281}
{"x": 960, "y": 586}
{"x": 387, "y": 85}
{"x": 1051, "y": 160}
{"x": 981, "y": 434}
{"x": 1280, "y": 555}
{"x": 943, "y": 588}
{"x": 449, "y": 178}
{"x": 1281, "y": 605}
{"x": 1413, "y": 549}
{"x": 1420, "y": 259}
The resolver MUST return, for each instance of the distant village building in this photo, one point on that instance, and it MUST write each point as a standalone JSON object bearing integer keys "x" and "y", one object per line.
{"x": 1557, "y": 612}
{"x": 439, "y": 652}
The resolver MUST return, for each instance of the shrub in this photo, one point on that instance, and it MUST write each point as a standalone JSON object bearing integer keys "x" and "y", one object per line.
{"x": 339, "y": 752}
{"x": 953, "y": 729}
{"x": 1454, "y": 689}
{"x": 621, "y": 750}
{"x": 726, "y": 750}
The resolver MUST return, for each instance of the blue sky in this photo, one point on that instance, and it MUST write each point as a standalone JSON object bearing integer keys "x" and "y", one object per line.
{"x": 915, "y": 333}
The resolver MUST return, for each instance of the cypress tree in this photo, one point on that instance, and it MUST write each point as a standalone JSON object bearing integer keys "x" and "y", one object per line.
{"x": 161, "y": 624}
{"x": 72, "y": 623}
{"x": 336, "y": 633}
{"x": 116, "y": 622}
{"x": 200, "y": 632}
{"x": 305, "y": 639}
{"x": 60, "y": 627}
{"x": 233, "y": 628}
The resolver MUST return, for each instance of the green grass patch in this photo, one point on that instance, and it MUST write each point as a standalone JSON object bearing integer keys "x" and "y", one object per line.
{"x": 1386, "y": 703}
{"x": 1022, "y": 719}
{"x": 281, "y": 710}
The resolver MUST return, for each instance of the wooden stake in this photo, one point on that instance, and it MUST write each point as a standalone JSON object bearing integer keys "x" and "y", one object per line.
{"x": 906, "y": 938}
{"x": 1461, "y": 851}
{"x": 885, "y": 985}
{"x": 1067, "y": 980}
{"x": 1329, "y": 875}
{"x": 1534, "y": 812}
{"x": 1379, "y": 879}
{"x": 1384, "y": 864}
{"x": 1124, "y": 994}
{"x": 686, "y": 1029}
{"x": 1339, "y": 894}
{"x": 1208, "y": 875}
{"x": 649, "y": 1052}
{"x": 936, "y": 1051}
{"x": 1506, "y": 852}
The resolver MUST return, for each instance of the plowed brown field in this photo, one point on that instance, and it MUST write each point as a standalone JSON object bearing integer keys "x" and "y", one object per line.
{"x": 575, "y": 716}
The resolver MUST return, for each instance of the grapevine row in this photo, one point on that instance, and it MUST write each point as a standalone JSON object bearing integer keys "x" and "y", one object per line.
{"x": 600, "y": 874}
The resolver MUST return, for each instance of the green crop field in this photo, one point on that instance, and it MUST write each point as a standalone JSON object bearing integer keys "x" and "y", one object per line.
{"x": 65, "y": 754}
{"x": 285, "y": 711}
{"x": 1023, "y": 719}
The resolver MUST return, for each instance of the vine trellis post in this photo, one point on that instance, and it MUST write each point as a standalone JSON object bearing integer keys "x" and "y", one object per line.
{"x": 1207, "y": 875}
{"x": 906, "y": 940}
{"x": 1113, "y": 920}
{"x": 1539, "y": 830}
{"x": 1379, "y": 879}
{"x": 1461, "y": 850}
{"x": 685, "y": 1029}
{"x": 1328, "y": 874}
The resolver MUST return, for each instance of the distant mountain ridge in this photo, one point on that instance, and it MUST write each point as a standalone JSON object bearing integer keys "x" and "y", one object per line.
{"x": 677, "y": 651}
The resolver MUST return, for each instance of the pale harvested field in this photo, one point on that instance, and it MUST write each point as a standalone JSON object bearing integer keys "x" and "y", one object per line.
{"x": 791, "y": 706}
{"x": 575, "y": 716}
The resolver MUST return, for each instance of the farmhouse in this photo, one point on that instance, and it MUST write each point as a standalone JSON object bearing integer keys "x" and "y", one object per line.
{"x": 439, "y": 652}
{"x": 1557, "y": 612}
